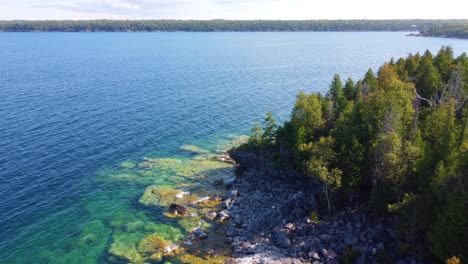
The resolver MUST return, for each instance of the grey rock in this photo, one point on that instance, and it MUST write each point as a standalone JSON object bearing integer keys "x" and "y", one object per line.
{"x": 361, "y": 260}
{"x": 238, "y": 219}
{"x": 281, "y": 239}
{"x": 227, "y": 202}
{"x": 178, "y": 209}
{"x": 231, "y": 232}
{"x": 211, "y": 215}
{"x": 380, "y": 246}
{"x": 289, "y": 226}
{"x": 223, "y": 215}
{"x": 350, "y": 239}
{"x": 325, "y": 237}
{"x": 198, "y": 233}
{"x": 314, "y": 255}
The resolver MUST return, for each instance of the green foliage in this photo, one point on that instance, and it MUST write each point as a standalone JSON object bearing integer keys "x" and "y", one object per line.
{"x": 270, "y": 127}
{"x": 314, "y": 216}
{"x": 454, "y": 28}
{"x": 457, "y": 30}
{"x": 349, "y": 255}
{"x": 256, "y": 134}
{"x": 398, "y": 141}
{"x": 381, "y": 195}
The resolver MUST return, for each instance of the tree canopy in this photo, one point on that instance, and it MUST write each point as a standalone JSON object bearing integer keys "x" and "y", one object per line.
{"x": 397, "y": 141}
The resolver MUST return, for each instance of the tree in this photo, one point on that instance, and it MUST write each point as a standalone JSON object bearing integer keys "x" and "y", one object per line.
{"x": 369, "y": 81}
{"x": 321, "y": 156}
{"x": 270, "y": 128}
{"x": 308, "y": 113}
{"x": 443, "y": 61}
{"x": 350, "y": 91}
{"x": 428, "y": 80}
{"x": 256, "y": 134}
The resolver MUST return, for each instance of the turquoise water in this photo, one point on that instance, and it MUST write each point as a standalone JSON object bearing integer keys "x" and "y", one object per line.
{"x": 80, "y": 112}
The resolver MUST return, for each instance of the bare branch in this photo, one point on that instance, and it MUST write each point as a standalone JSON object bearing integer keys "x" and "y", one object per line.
{"x": 431, "y": 103}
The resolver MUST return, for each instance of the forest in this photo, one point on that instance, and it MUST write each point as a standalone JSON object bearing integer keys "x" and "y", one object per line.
{"x": 223, "y": 25}
{"x": 448, "y": 31}
{"x": 395, "y": 141}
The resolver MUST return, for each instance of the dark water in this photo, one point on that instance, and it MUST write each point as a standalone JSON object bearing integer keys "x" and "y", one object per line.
{"x": 79, "y": 110}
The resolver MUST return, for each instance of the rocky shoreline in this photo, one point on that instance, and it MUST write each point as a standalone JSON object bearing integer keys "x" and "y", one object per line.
{"x": 269, "y": 221}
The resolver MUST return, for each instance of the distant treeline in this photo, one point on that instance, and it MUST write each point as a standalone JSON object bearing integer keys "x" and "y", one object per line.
{"x": 448, "y": 31}
{"x": 224, "y": 25}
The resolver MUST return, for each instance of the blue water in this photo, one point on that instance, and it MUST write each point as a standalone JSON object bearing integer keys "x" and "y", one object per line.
{"x": 75, "y": 105}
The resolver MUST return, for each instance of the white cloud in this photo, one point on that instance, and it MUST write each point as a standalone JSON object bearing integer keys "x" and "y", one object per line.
{"x": 232, "y": 9}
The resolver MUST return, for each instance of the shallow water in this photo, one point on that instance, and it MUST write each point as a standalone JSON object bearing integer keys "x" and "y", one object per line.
{"x": 79, "y": 112}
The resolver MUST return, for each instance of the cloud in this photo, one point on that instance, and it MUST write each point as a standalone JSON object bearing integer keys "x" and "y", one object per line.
{"x": 110, "y": 6}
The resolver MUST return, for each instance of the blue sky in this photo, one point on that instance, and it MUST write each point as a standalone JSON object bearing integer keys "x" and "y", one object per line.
{"x": 232, "y": 9}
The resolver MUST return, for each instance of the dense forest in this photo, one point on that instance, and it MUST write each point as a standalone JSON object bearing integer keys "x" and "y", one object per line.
{"x": 224, "y": 25}
{"x": 448, "y": 31}
{"x": 395, "y": 141}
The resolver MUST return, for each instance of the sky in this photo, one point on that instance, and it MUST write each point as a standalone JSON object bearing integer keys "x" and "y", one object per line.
{"x": 232, "y": 9}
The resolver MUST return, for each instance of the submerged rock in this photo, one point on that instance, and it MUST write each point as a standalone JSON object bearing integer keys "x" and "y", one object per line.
{"x": 178, "y": 209}
{"x": 199, "y": 234}
{"x": 194, "y": 149}
{"x": 229, "y": 182}
{"x": 226, "y": 158}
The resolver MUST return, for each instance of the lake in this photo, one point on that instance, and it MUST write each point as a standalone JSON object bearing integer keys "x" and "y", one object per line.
{"x": 89, "y": 120}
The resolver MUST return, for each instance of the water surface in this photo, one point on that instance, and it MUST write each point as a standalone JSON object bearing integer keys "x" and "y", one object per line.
{"x": 80, "y": 111}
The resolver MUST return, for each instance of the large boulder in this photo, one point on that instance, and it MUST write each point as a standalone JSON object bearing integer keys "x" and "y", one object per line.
{"x": 178, "y": 209}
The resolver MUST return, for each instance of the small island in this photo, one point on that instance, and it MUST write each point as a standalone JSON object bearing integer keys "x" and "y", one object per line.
{"x": 449, "y": 31}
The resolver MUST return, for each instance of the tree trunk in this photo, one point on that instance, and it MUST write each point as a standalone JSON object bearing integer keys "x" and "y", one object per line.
{"x": 327, "y": 195}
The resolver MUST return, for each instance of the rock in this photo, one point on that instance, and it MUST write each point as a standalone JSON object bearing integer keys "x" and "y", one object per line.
{"x": 232, "y": 232}
{"x": 281, "y": 239}
{"x": 209, "y": 251}
{"x": 234, "y": 193}
{"x": 325, "y": 237}
{"x": 223, "y": 215}
{"x": 361, "y": 260}
{"x": 229, "y": 182}
{"x": 350, "y": 239}
{"x": 227, "y": 202}
{"x": 362, "y": 237}
{"x": 211, "y": 215}
{"x": 213, "y": 198}
{"x": 218, "y": 182}
{"x": 314, "y": 255}
{"x": 380, "y": 246}
{"x": 238, "y": 219}
{"x": 226, "y": 158}
{"x": 181, "y": 195}
{"x": 289, "y": 226}
{"x": 178, "y": 209}
{"x": 199, "y": 234}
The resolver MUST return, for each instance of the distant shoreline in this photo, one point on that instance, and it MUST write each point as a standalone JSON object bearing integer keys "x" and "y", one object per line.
{"x": 362, "y": 25}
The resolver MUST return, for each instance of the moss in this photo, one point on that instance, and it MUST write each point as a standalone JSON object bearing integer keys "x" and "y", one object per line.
{"x": 135, "y": 226}
{"x": 128, "y": 164}
{"x": 164, "y": 164}
{"x": 194, "y": 149}
{"x": 152, "y": 244}
{"x": 314, "y": 216}
{"x": 164, "y": 196}
{"x": 192, "y": 259}
{"x": 124, "y": 247}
